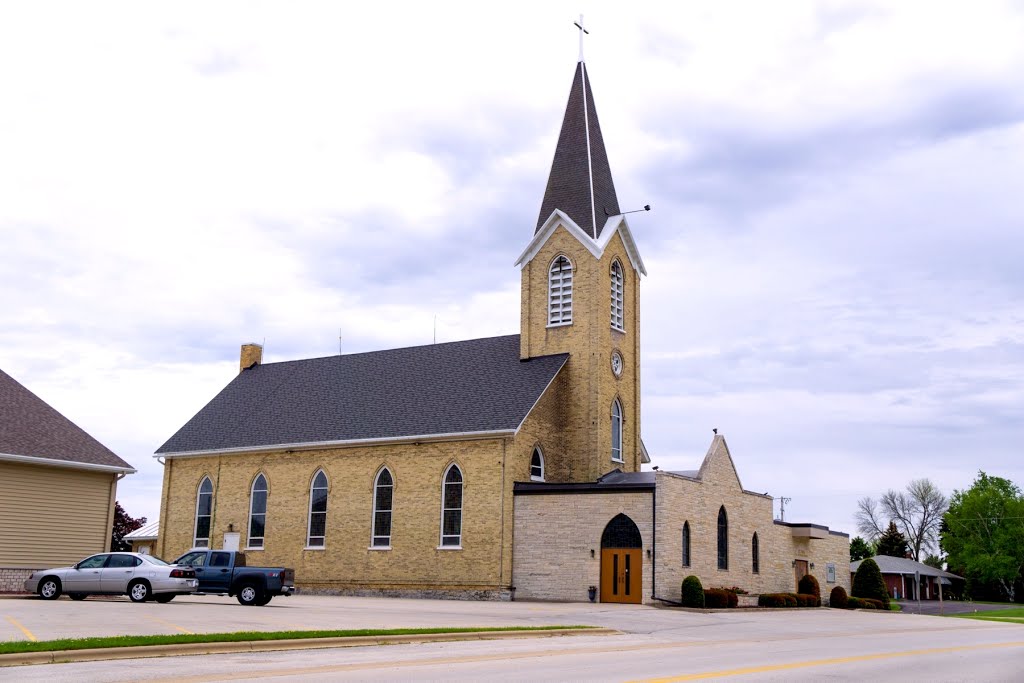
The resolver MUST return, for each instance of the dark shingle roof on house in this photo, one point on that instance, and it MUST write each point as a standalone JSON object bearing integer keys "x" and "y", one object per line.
{"x": 568, "y": 185}
{"x": 902, "y": 565}
{"x": 29, "y": 427}
{"x": 454, "y": 388}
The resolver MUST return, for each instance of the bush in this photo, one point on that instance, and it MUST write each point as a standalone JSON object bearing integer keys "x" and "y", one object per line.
{"x": 868, "y": 583}
{"x": 719, "y": 598}
{"x": 807, "y": 600}
{"x": 777, "y": 600}
{"x": 875, "y": 604}
{"x": 837, "y": 598}
{"x": 864, "y": 603}
{"x": 693, "y": 592}
{"x": 808, "y": 586}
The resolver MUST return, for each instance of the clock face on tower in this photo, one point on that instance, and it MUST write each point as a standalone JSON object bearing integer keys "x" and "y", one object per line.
{"x": 616, "y": 363}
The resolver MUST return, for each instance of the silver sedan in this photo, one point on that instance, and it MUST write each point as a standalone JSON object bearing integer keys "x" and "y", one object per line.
{"x": 140, "y": 577}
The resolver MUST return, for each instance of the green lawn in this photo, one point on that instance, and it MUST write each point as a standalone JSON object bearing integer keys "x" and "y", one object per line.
{"x": 1013, "y": 616}
{"x": 9, "y": 647}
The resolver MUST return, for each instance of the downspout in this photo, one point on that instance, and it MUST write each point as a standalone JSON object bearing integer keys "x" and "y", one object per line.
{"x": 654, "y": 539}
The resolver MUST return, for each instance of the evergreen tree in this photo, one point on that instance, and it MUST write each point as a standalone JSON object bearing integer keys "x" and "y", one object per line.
{"x": 860, "y": 549}
{"x": 892, "y": 542}
{"x": 868, "y": 582}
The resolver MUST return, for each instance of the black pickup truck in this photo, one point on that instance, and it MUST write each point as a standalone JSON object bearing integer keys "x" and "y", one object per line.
{"x": 224, "y": 572}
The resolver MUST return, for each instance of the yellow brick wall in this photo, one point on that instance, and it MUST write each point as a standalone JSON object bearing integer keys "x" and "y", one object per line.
{"x": 346, "y": 562}
{"x": 590, "y": 341}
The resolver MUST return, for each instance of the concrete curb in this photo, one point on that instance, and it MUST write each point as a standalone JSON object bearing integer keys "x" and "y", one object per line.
{"x": 141, "y": 651}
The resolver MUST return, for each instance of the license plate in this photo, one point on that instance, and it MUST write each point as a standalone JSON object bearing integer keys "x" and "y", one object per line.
{"x": 192, "y": 583}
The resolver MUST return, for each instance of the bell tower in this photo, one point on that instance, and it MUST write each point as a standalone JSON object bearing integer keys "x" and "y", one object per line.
{"x": 581, "y": 295}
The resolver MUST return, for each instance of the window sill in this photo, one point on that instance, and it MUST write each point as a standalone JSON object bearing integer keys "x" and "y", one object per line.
{"x": 449, "y": 547}
{"x": 568, "y": 324}
{"x": 379, "y": 547}
{"x": 253, "y": 548}
{"x": 620, "y": 461}
{"x": 533, "y": 478}
{"x": 314, "y": 547}
{"x": 621, "y": 330}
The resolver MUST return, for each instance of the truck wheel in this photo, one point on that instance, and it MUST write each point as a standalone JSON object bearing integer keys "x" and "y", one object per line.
{"x": 49, "y": 588}
{"x": 139, "y": 591}
{"x": 264, "y": 601}
{"x": 250, "y": 595}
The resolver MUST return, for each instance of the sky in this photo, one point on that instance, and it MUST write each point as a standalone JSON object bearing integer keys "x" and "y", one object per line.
{"x": 833, "y": 248}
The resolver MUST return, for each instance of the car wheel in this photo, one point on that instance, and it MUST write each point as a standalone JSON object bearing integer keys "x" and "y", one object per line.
{"x": 164, "y": 598}
{"x": 49, "y": 588}
{"x": 139, "y": 591}
{"x": 250, "y": 595}
{"x": 77, "y": 596}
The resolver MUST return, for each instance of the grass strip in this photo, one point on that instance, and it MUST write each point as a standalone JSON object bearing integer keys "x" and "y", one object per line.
{"x": 17, "y": 647}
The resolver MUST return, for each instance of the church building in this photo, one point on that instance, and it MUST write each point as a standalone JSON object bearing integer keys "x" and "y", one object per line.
{"x": 499, "y": 468}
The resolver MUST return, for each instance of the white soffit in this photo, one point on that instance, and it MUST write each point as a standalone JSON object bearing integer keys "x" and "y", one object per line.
{"x": 614, "y": 224}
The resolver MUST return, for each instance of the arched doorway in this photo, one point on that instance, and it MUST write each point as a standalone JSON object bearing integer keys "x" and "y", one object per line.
{"x": 621, "y": 561}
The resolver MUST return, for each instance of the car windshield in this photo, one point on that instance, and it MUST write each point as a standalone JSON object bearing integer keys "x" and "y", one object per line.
{"x": 153, "y": 560}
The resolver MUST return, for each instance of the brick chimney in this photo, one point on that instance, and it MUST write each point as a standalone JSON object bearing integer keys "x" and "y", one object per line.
{"x": 252, "y": 354}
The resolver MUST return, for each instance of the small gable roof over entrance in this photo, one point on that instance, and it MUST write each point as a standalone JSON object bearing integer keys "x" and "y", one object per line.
{"x": 441, "y": 390}
{"x": 33, "y": 432}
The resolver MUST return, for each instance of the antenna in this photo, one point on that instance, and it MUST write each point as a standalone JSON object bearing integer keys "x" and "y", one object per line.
{"x": 782, "y": 507}
{"x": 339, "y": 341}
{"x": 435, "y": 328}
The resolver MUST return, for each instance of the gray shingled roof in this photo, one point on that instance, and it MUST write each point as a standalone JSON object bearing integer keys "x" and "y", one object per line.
{"x": 459, "y": 387}
{"x": 568, "y": 185}
{"x": 902, "y": 565}
{"x": 29, "y": 427}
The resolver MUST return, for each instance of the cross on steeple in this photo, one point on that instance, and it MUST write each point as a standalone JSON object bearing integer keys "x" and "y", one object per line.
{"x": 579, "y": 25}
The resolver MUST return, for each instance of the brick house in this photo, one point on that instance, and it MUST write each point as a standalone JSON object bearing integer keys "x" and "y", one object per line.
{"x": 58, "y": 486}
{"x": 904, "y": 576}
{"x": 479, "y": 468}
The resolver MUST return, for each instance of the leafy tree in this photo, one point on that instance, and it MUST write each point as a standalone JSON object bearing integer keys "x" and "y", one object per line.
{"x": 860, "y": 549}
{"x": 984, "y": 534}
{"x": 892, "y": 542}
{"x": 868, "y": 582}
{"x": 917, "y": 512}
{"x": 123, "y": 524}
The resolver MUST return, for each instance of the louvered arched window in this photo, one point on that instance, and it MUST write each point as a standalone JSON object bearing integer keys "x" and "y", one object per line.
{"x": 383, "y": 497}
{"x": 204, "y": 513}
{"x": 560, "y": 292}
{"x": 537, "y": 465}
{"x": 257, "y": 512}
{"x": 451, "y": 508}
{"x": 617, "y": 296}
{"x": 317, "y": 532}
{"x": 616, "y": 431}
{"x": 723, "y": 539}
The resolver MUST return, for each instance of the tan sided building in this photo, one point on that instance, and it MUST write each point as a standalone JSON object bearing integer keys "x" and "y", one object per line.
{"x": 485, "y": 468}
{"x": 58, "y": 487}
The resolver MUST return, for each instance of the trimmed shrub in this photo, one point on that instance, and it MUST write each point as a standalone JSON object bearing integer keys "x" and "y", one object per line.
{"x": 863, "y": 603}
{"x": 693, "y": 592}
{"x": 771, "y": 600}
{"x": 837, "y": 598}
{"x": 716, "y": 598}
{"x": 876, "y": 604}
{"x": 790, "y": 599}
{"x": 807, "y": 600}
{"x": 868, "y": 583}
{"x": 808, "y": 586}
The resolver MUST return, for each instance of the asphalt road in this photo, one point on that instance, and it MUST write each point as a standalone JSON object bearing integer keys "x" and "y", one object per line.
{"x": 656, "y": 644}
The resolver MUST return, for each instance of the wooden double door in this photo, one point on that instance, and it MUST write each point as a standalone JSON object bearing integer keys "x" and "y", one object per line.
{"x": 621, "y": 573}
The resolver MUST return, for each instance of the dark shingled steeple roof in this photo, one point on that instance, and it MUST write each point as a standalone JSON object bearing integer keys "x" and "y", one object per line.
{"x": 569, "y": 183}
{"x": 442, "y": 389}
{"x": 30, "y": 427}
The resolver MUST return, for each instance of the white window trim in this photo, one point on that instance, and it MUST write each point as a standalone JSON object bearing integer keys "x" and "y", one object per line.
{"x": 373, "y": 519}
{"x": 444, "y": 501}
{"x": 618, "y": 297}
{"x": 195, "y": 520}
{"x": 537, "y": 450}
{"x": 248, "y": 529}
{"x": 617, "y": 404}
{"x": 565, "y": 307}
{"x": 309, "y": 512}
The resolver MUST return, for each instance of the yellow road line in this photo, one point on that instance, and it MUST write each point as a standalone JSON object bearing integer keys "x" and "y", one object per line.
{"x": 28, "y": 634}
{"x": 167, "y": 623}
{"x": 826, "y": 662}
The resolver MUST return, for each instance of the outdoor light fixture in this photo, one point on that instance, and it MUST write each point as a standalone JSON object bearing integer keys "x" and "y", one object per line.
{"x": 794, "y": 563}
{"x": 591, "y": 552}
{"x": 812, "y": 565}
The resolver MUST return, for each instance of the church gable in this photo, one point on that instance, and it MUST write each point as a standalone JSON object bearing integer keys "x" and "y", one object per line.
{"x": 718, "y": 467}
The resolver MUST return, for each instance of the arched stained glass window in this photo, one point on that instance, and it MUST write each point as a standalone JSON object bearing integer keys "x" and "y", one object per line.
{"x": 451, "y": 508}
{"x": 616, "y": 431}
{"x": 383, "y": 498}
{"x": 723, "y": 539}
{"x": 317, "y": 533}
{"x": 560, "y": 292}
{"x": 204, "y": 513}
{"x": 686, "y": 544}
{"x": 755, "y": 554}
{"x": 257, "y": 512}
{"x": 617, "y": 296}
